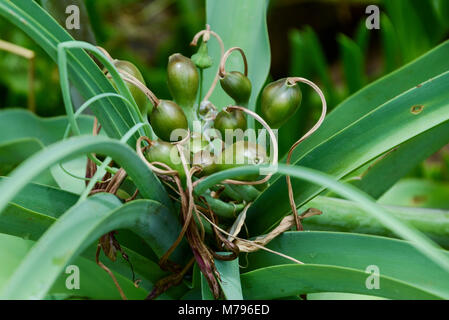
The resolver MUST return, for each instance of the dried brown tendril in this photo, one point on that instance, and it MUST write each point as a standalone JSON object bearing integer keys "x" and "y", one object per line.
{"x": 293, "y": 81}
{"x": 224, "y": 59}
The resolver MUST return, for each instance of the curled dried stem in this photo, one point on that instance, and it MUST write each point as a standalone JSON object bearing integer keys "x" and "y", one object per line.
{"x": 224, "y": 59}
{"x": 102, "y": 266}
{"x": 187, "y": 204}
{"x": 172, "y": 280}
{"x": 274, "y": 143}
{"x": 185, "y": 226}
{"x": 133, "y": 197}
{"x": 131, "y": 79}
{"x": 183, "y": 140}
{"x": 107, "y": 55}
{"x": 156, "y": 170}
{"x": 293, "y": 81}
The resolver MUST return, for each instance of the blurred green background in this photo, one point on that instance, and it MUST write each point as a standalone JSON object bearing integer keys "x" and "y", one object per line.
{"x": 325, "y": 41}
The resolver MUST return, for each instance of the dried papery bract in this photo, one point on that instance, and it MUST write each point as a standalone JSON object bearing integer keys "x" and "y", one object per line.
{"x": 166, "y": 283}
{"x": 187, "y": 204}
{"x": 189, "y": 229}
{"x": 201, "y": 252}
{"x": 293, "y": 81}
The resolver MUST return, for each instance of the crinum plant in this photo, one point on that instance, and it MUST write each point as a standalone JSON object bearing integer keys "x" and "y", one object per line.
{"x": 147, "y": 205}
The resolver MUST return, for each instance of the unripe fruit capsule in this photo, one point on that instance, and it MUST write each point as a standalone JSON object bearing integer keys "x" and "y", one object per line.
{"x": 182, "y": 79}
{"x": 280, "y": 101}
{"x": 206, "y": 161}
{"x": 237, "y": 86}
{"x": 167, "y": 117}
{"x": 229, "y": 120}
{"x": 166, "y": 153}
{"x": 140, "y": 98}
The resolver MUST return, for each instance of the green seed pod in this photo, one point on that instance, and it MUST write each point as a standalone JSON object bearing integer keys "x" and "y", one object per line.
{"x": 166, "y": 153}
{"x": 280, "y": 101}
{"x": 206, "y": 161}
{"x": 139, "y": 96}
{"x": 237, "y": 86}
{"x": 233, "y": 120}
{"x": 243, "y": 153}
{"x": 167, "y": 117}
{"x": 182, "y": 79}
{"x": 202, "y": 59}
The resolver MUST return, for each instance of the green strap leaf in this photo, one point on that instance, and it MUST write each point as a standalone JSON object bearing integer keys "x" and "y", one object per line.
{"x": 418, "y": 193}
{"x": 290, "y": 280}
{"x": 394, "y": 259}
{"x": 12, "y": 153}
{"x": 230, "y": 278}
{"x": 94, "y": 282}
{"x": 21, "y": 124}
{"x": 149, "y": 186}
{"x": 421, "y": 243}
{"x": 382, "y": 174}
{"x": 27, "y": 224}
{"x": 347, "y": 216}
{"x": 77, "y": 229}
{"x": 44, "y": 199}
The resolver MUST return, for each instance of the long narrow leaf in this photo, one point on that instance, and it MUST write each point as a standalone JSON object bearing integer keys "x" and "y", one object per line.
{"x": 290, "y": 280}
{"x": 393, "y": 258}
{"x": 77, "y": 229}
{"x": 422, "y": 243}
{"x": 147, "y": 183}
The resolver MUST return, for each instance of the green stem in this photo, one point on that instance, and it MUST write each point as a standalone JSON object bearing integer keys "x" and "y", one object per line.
{"x": 250, "y": 121}
{"x": 200, "y": 95}
{"x": 247, "y": 193}
{"x": 224, "y": 209}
